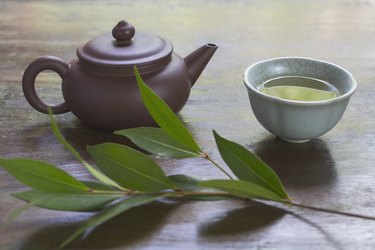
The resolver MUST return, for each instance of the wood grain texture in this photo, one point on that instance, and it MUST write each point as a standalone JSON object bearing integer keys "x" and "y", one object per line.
{"x": 334, "y": 171}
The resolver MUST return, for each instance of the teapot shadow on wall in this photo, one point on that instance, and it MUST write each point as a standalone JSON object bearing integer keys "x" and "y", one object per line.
{"x": 100, "y": 86}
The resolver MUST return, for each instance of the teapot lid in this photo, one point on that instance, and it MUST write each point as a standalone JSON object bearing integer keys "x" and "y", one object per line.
{"x": 124, "y": 48}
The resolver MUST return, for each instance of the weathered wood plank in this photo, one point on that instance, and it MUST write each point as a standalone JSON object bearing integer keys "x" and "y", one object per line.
{"x": 334, "y": 171}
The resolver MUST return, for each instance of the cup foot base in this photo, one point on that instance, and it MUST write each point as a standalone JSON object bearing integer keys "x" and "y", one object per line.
{"x": 294, "y": 141}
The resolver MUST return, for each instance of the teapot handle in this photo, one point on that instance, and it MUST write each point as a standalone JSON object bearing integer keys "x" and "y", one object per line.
{"x": 28, "y": 82}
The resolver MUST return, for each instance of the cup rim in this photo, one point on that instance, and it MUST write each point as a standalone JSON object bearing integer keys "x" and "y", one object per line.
{"x": 295, "y": 102}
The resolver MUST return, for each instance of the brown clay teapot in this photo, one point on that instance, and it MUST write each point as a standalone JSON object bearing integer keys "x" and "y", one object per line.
{"x": 100, "y": 86}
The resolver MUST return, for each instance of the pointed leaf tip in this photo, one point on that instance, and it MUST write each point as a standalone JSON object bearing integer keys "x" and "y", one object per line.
{"x": 247, "y": 166}
{"x": 60, "y": 138}
{"x": 243, "y": 189}
{"x": 42, "y": 175}
{"x": 164, "y": 116}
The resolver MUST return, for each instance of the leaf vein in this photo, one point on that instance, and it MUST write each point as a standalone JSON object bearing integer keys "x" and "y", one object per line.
{"x": 256, "y": 174}
{"x": 135, "y": 171}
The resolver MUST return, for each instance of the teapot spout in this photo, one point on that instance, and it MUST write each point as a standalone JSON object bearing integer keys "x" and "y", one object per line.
{"x": 197, "y": 60}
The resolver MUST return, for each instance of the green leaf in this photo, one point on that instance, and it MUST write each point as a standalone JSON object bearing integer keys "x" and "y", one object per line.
{"x": 111, "y": 212}
{"x": 98, "y": 186}
{"x": 129, "y": 167}
{"x": 98, "y": 175}
{"x": 247, "y": 166}
{"x": 242, "y": 189}
{"x": 42, "y": 175}
{"x": 185, "y": 182}
{"x": 189, "y": 183}
{"x": 67, "y": 201}
{"x": 164, "y": 116}
{"x": 157, "y": 141}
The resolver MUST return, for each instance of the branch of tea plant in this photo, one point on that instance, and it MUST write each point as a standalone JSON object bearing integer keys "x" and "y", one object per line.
{"x": 331, "y": 211}
{"x": 182, "y": 193}
{"x": 207, "y": 157}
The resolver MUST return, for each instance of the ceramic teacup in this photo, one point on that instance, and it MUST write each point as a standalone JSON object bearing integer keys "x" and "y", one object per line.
{"x": 298, "y": 121}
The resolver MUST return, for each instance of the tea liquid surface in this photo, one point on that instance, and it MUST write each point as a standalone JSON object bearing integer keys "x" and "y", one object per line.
{"x": 299, "y": 88}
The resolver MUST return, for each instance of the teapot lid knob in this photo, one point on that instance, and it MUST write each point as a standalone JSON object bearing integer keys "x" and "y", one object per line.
{"x": 123, "y": 31}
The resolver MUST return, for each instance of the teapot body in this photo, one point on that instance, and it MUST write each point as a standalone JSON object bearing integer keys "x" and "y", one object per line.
{"x": 110, "y": 101}
{"x": 100, "y": 87}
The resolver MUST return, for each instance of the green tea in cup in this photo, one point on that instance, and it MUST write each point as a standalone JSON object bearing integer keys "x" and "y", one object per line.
{"x": 298, "y": 88}
{"x": 298, "y": 98}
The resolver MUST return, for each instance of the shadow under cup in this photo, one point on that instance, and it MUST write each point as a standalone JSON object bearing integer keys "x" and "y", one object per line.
{"x": 298, "y": 121}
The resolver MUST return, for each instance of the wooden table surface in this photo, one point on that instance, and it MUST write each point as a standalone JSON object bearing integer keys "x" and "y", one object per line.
{"x": 334, "y": 171}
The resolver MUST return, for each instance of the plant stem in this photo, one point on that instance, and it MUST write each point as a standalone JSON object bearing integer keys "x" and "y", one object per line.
{"x": 187, "y": 193}
{"x": 172, "y": 193}
{"x": 207, "y": 157}
{"x": 95, "y": 191}
{"x": 330, "y": 211}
